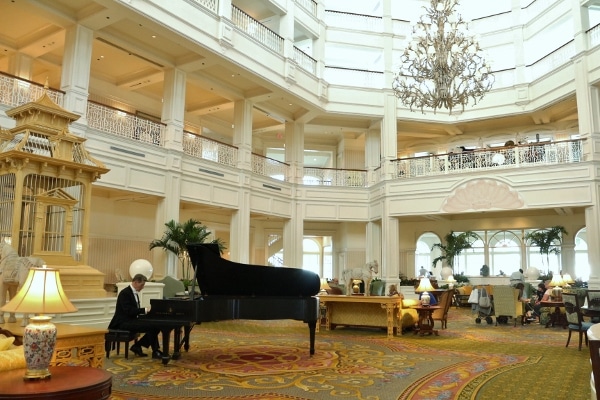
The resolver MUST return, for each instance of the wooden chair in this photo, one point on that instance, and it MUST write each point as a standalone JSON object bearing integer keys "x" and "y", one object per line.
{"x": 575, "y": 318}
{"x": 507, "y": 304}
{"x": 441, "y": 314}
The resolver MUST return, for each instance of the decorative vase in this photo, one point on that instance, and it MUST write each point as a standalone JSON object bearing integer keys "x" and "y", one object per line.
{"x": 39, "y": 339}
{"x": 446, "y": 272}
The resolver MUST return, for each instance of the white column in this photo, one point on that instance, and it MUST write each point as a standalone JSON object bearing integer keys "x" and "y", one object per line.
{"x": 75, "y": 78}
{"x": 293, "y": 235}
{"x": 294, "y": 150}
{"x": 592, "y": 224}
{"x": 20, "y": 65}
{"x": 389, "y": 141}
{"x": 242, "y": 133}
{"x": 173, "y": 110}
{"x": 373, "y": 246}
{"x": 390, "y": 237}
{"x": 240, "y": 219}
{"x": 240, "y": 229}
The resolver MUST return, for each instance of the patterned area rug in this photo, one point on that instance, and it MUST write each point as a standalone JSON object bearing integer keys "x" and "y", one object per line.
{"x": 269, "y": 360}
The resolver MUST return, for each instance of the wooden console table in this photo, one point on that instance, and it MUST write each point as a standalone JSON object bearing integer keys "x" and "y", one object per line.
{"x": 66, "y": 383}
{"x": 73, "y": 342}
{"x": 372, "y": 311}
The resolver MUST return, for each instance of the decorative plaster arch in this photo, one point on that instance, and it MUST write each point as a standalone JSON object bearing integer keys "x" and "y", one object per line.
{"x": 482, "y": 194}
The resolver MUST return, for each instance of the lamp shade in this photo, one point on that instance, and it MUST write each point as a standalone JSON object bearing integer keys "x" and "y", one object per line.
{"x": 42, "y": 293}
{"x": 557, "y": 281}
{"x": 567, "y": 278}
{"x": 424, "y": 286}
{"x": 324, "y": 285}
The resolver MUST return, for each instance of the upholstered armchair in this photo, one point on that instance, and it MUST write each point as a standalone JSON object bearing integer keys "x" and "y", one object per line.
{"x": 507, "y": 304}
{"x": 444, "y": 302}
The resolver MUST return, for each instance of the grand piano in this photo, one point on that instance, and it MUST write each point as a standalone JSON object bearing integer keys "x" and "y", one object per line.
{"x": 230, "y": 290}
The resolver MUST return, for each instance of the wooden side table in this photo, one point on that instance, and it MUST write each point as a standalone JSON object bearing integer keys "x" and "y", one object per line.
{"x": 556, "y": 317}
{"x": 425, "y": 325}
{"x": 66, "y": 383}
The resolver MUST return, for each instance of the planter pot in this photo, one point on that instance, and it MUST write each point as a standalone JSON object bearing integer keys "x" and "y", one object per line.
{"x": 446, "y": 272}
{"x": 378, "y": 288}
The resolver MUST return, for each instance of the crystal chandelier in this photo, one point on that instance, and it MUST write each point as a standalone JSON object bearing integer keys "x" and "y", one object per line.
{"x": 442, "y": 67}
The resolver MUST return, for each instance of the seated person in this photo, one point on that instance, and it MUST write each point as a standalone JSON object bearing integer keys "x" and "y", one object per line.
{"x": 126, "y": 315}
{"x": 542, "y": 294}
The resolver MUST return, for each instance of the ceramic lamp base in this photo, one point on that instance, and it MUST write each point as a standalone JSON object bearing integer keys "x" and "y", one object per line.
{"x": 39, "y": 340}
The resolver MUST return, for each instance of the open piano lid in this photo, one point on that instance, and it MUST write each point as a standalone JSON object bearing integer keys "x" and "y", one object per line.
{"x": 220, "y": 277}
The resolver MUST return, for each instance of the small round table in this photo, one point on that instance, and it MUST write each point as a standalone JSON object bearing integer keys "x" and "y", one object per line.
{"x": 66, "y": 383}
{"x": 425, "y": 325}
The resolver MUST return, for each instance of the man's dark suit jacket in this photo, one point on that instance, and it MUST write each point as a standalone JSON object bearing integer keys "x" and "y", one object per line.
{"x": 126, "y": 309}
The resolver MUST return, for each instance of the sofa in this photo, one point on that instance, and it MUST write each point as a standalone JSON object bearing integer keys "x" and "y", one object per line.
{"x": 11, "y": 352}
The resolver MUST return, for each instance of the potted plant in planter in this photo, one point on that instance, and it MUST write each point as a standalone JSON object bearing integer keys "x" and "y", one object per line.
{"x": 175, "y": 238}
{"x": 455, "y": 244}
{"x": 547, "y": 240}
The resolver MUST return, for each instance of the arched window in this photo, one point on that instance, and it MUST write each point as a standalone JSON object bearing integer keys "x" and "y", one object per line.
{"x": 311, "y": 260}
{"x": 505, "y": 253}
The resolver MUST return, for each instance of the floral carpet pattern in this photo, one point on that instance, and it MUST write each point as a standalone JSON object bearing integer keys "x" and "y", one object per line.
{"x": 269, "y": 360}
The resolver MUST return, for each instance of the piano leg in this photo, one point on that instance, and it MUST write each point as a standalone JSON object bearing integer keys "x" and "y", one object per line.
{"x": 166, "y": 337}
{"x": 176, "y": 343}
{"x": 312, "y": 327}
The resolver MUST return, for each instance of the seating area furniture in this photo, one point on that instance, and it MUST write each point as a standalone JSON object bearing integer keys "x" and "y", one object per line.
{"x": 114, "y": 338}
{"x": 461, "y": 296}
{"x": 441, "y": 313}
{"x": 507, "y": 304}
{"x": 172, "y": 286}
{"x": 575, "y": 318}
{"x": 425, "y": 326}
{"x": 11, "y": 352}
{"x": 593, "y": 335}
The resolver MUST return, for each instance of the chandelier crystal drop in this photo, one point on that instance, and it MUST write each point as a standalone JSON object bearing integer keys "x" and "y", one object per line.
{"x": 442, "y": 67}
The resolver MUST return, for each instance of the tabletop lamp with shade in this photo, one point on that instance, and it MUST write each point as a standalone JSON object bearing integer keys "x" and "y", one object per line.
{"x": 556, "y": 284}
{"x": 424, "y": 288}
{"x": 41, "y": 294}
{"x": 451, "y": 281}
{"x": 566, "y": 277}
{"x": 324, "y": 286}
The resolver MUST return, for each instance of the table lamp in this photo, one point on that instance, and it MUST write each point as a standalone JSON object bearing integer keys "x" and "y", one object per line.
{"x": 566, "y": 277}
{"x": 451, "y": 281}
{"x": 324, "y": 286}
{"x": 556, "y": 284}
{"x": 42, "y": 293}
{"x": 425, "y": 287}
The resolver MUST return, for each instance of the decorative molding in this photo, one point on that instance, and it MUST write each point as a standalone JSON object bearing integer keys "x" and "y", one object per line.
{"x": 482, "y": 194}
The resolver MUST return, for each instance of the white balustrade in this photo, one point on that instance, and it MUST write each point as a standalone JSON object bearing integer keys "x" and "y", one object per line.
{"x": 211, "y": 150}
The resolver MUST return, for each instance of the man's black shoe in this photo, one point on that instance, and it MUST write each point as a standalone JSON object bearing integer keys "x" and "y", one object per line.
{"x": 157, "y": 354}
{"x": 137, "y": 350}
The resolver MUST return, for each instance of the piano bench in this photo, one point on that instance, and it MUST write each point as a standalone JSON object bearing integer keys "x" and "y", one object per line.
{"x": 115, "y": 337}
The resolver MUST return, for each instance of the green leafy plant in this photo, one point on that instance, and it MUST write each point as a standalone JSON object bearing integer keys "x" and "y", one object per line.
{"x": 175, "y": 238}
{"x": 546, "y": 240}
{"x": 455, "y": 244}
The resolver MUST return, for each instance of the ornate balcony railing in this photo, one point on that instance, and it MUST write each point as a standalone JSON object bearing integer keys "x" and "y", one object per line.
{"x": 533, "y": 154}
{"x": 208, "y": 149}
{"x": 354, "y": 77}
{"x": 305, "y": 61}
{"x": 256, "y": 30}
{"x": 210, "y": 4}
{"x": 551, "y": 61}
{"x": 121, "y": 123}
{"x": 308, "y": 5}
{"x": 594, "y": 36}
{"x": 356, "y": 21}
{"x": 335, "y": 177}
{"x": 15, "y": 91}
{"x": 270, "y": 167}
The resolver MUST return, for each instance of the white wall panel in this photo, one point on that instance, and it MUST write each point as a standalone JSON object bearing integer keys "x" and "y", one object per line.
{"x": 146, "y": 180}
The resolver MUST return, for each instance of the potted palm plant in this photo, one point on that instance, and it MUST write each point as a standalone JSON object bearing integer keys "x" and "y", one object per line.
{"x": 175, "y": 238}
{"x": 547, "y": 240}
{"x": 455, "y": 244}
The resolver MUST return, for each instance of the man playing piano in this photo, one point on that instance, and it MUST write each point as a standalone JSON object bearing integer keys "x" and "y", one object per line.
{"x": 127, "y": 310}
